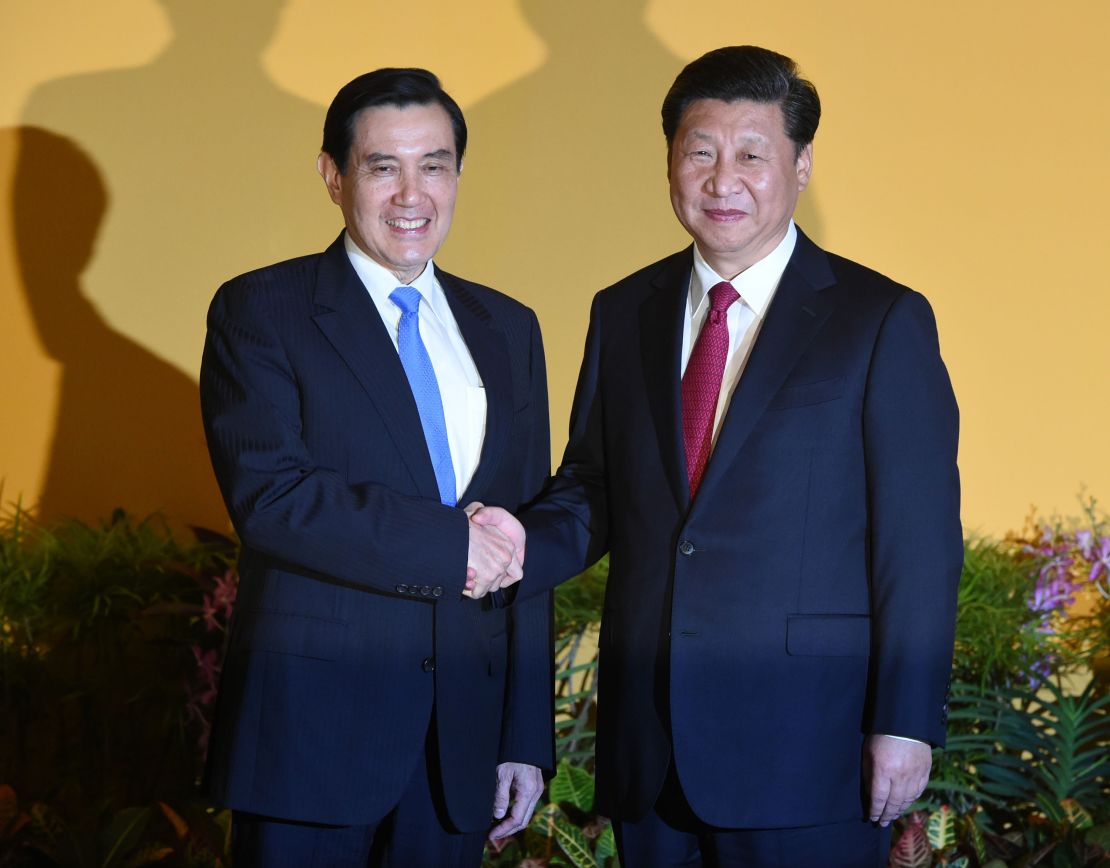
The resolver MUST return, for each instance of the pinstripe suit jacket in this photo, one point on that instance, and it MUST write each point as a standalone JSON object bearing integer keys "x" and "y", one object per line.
{"x": 350, "y": 632}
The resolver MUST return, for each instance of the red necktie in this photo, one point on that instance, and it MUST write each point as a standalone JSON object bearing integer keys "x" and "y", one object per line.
{"x": 701, "y": 384}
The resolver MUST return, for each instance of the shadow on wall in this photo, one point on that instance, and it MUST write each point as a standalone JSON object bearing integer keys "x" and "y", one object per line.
{"x": 209, "y": 170}
{"x": 564, "y": 188}
{"x": 210, "y": 167}
{"x": 127, "y": 431}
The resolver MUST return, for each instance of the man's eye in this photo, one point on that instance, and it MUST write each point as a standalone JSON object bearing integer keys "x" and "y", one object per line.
{"x": 381, "y": 170}
{"x": 434, "y": 169}
{"x": 751, "y": 156}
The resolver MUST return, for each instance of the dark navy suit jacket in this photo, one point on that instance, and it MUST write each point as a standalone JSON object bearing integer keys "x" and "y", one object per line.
{"x": 350, "y": 625}
{"x": 806, "y": 597}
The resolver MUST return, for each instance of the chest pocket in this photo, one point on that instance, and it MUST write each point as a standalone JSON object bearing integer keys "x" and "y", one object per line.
{"x": 805, "y": 394}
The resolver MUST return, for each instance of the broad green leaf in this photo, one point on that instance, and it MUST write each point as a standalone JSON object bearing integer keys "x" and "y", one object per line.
{"x": 543, "y": 821}
{"x": 941, "y": 828}
{"x": 572, "y": 785}
{"x": 574, "y": 844}
{"x": 606, "y": 844}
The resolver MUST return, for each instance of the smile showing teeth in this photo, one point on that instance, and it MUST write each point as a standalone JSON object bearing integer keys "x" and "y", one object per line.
{"x": 401, "y": 223}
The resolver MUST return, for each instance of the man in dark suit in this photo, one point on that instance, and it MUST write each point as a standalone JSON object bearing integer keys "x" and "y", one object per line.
{"x": 382, "y": 695}
{"x": 764, "y": 437}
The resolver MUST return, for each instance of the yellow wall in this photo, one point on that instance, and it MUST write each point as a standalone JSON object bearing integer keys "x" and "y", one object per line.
{"x": 149, "y": 149}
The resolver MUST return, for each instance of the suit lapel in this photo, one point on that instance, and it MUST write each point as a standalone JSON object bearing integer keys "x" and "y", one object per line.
{"x": 797, "y": 313}
{"x": 491, "y": 357}
{"x": 354, "y": 328}
{"x": 661, "y": 320}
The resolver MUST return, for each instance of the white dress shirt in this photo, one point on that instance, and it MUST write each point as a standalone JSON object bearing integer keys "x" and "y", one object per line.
{"x": 460, "y": 386}
{"x": 756, "y": 285}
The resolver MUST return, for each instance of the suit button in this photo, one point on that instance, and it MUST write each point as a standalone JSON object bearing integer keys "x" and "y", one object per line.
{"x": 402, "y": 589}
{"x": 686, "y": 547}
{"x": 428, "y": 664}
{"x": 425, "y": 591}
{"x": 437, "y": 591}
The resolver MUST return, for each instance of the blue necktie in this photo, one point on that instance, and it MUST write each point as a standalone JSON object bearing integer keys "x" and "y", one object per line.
{"x": 425, "y": 389}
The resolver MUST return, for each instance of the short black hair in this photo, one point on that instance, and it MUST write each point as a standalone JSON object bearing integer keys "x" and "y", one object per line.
{"x": 746, "y": 72}
{"x": 390, "y": 86}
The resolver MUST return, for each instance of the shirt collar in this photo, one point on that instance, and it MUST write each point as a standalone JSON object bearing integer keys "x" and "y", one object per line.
{"x": 380, "y": 281}
{"x": 756, "y": 284}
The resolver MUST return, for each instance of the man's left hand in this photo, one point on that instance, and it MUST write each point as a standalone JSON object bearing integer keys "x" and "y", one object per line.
{"x": 519, "y": 785}
{"x": 898, "y": 770}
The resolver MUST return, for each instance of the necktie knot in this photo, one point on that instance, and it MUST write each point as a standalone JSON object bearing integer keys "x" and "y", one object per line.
{"x": 721, "y": 297}
{"x": 407, "y": 298}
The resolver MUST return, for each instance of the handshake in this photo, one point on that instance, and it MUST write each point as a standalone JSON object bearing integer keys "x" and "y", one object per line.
{"x": 495, "y": 558}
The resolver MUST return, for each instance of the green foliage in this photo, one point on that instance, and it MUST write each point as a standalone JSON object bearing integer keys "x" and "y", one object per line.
{"x": 563, "y": 830}
{"x": 104, "y": 632}
{"x": 578, "y": 607}
{"x": 100, "y": 633}
{"x": 1053, "y": 752}
{"x": 941, "y": 828}
{"x": 1028, "y": 772}
{"x": 572, "y": 785}
{"x": 580, "y": 601}
{"x": 996, "y": 631}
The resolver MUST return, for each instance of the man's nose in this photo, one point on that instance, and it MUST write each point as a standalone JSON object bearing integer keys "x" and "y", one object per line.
{"x": 408, "y": 190}
{"x": 724, "y": 180}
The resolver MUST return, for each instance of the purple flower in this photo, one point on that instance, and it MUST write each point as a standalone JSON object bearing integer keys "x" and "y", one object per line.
{"x": 1040, "y": 671}
{"x": 1101, "y": 560}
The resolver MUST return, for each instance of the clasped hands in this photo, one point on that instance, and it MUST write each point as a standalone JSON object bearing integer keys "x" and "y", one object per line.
{"x": 495, "y": 558}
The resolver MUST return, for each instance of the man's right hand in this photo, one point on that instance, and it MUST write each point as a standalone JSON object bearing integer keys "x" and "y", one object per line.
{"x": 492, "y": 562}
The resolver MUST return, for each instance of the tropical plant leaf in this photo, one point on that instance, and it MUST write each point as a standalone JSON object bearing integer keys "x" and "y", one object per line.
{"x": 1052, "y": 749}
{"x": 573, "y": 843}
{"x": 1076, "y": 814}
{"x": 543, "y": 820}
{"x": 573, "y": 786}
{"x": 975, "y": 836}
{"x": 911, "y": 849}
{"x": 606, "y": 845}
{"x": 176, "y": 820}
{"x": 941, "y": 828}
{"x": 122, "y": 834}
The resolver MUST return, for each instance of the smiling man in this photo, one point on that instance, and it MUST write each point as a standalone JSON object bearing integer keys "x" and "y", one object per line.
{"x": 764, "y": 438}
{"x": 383, "y": 697}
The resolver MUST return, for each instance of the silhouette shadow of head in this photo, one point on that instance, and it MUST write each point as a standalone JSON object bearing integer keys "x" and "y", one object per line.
{"x": 209, "y": 164}
{"x": 127, "y": 431}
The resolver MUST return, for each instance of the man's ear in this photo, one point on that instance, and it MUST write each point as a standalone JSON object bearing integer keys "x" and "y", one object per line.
{"x": 333, "y": 178}
{"x": 804, "y": 166}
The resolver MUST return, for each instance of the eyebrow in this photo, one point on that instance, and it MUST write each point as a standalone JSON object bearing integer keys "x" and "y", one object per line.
{"x": 706, "y": 137}
{"x": 379, "y": 157}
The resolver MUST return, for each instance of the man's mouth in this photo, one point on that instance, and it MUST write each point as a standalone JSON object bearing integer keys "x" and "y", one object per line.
{"x": 402, "y": 223}
{"x": 725, "y": 215}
